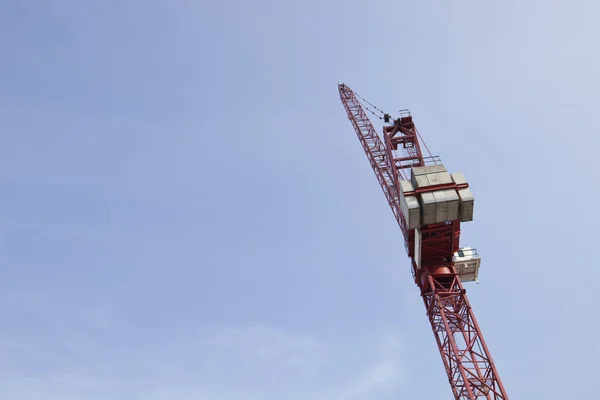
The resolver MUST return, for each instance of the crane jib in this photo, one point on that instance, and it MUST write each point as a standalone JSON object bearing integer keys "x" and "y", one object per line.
{"x": 429, "y": 205}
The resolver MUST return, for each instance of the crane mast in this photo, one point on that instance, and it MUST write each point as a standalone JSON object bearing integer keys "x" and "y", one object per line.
{"x": 429, "y": 205}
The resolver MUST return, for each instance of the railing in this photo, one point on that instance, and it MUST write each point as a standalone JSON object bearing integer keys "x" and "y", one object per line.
{"x": 432, "y": 160}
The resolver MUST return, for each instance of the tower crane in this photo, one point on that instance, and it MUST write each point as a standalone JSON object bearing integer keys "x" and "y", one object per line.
{"x": 429, "y": 204}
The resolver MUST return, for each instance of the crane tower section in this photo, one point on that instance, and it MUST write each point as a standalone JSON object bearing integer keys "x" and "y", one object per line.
{"x": 430, "y": 203}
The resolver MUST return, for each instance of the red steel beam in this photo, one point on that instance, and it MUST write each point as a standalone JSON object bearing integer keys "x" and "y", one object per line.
{"x": 467, "y": 360}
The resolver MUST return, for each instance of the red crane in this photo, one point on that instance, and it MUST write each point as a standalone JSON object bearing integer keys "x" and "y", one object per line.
{"x": 429, "y": 204}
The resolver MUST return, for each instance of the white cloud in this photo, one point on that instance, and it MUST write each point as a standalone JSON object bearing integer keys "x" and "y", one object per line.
{"x": 382, "y": 376}
{"x": 257, "y": 345}
{"x": 378, "y": 377}
{"x": 253, "y": 362}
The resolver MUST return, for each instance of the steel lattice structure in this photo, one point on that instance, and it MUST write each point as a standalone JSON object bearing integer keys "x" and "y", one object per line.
{"x": 468, "y": 363}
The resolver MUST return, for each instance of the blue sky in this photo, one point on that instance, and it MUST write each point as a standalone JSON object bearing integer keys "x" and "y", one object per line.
{"x": 186, "y": 211}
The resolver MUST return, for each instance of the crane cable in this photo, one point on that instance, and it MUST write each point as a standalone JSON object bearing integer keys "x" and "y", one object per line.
{"x": 372, "y": 105}
{"x": 384, "y": 113}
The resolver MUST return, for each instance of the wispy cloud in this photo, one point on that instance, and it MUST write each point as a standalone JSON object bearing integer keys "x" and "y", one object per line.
{"x": 259, "y": 343}
{"x": 387, "y": 373}
{"x": 84, "y": 356}
{"x": 376, "y": 378}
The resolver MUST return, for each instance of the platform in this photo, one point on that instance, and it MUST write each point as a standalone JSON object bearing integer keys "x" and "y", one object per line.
{"x": 467, "y": 262}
